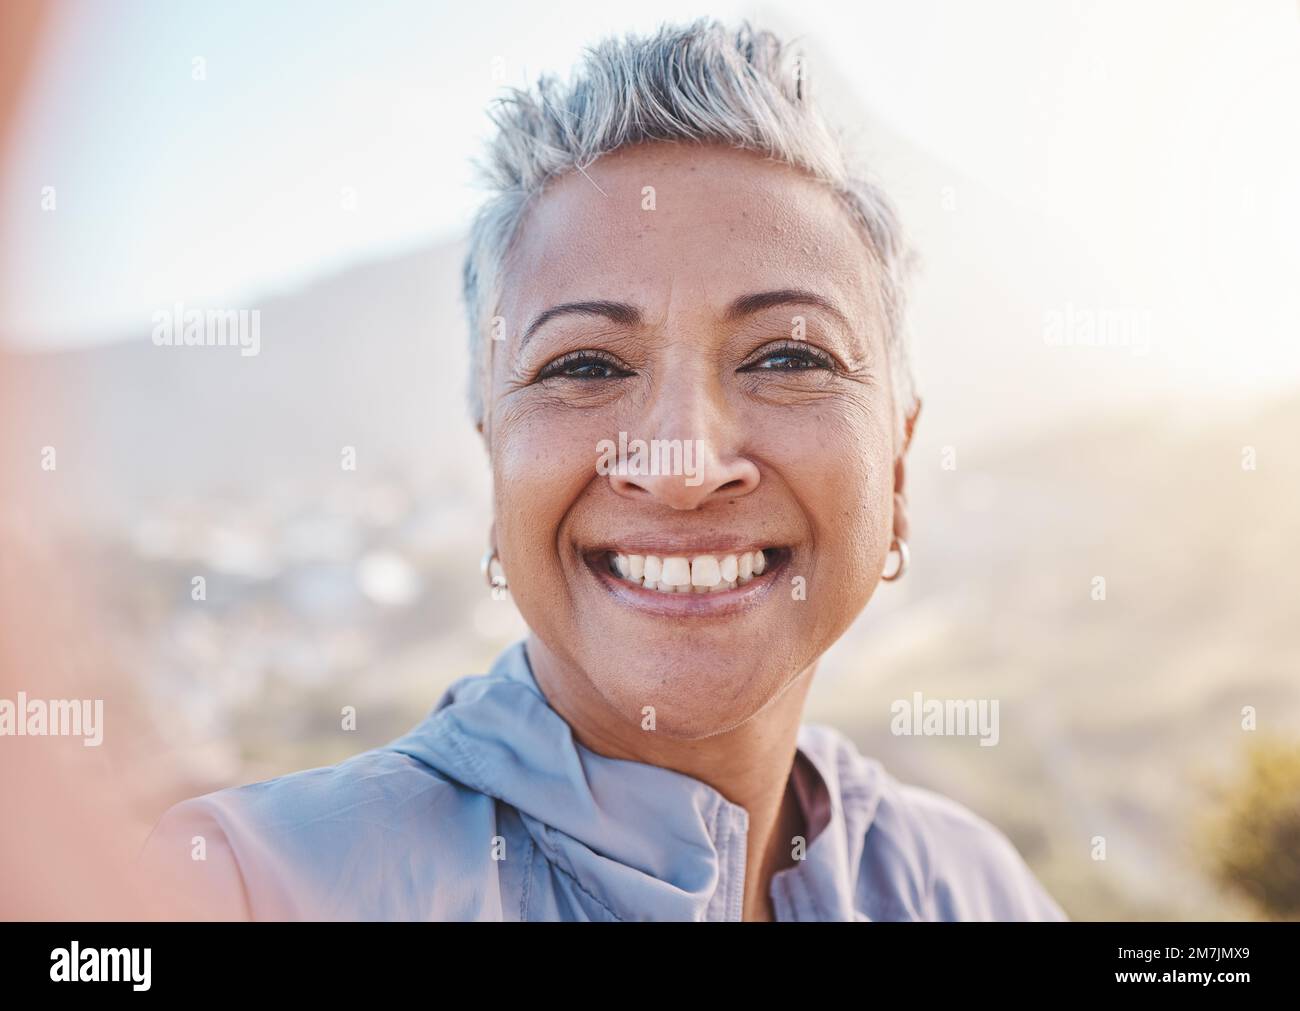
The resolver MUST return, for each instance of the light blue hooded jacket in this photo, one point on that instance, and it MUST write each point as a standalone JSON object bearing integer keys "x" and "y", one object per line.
{"x": 490, "y": 810}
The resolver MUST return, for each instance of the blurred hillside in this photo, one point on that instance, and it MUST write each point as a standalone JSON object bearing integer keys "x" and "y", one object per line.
{"x": 1116, "y": 714}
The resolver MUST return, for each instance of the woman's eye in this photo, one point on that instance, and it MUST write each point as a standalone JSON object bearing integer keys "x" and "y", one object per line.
{"x": 583, "y": 366}
{"x": 792, "y": 358}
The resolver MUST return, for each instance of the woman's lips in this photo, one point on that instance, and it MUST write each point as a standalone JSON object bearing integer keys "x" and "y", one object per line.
{"x": 687, "y": 589}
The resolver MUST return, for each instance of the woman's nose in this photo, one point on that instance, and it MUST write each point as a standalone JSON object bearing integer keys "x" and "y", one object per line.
{"x": 692, "y": 461}
{"x": 683, "y": 473}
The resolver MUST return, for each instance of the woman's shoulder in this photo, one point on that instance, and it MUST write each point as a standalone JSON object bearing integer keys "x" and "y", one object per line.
{"x": 379, "y": 778}
{"x": 921, "y": 854}
{"x": 307, "y": 844}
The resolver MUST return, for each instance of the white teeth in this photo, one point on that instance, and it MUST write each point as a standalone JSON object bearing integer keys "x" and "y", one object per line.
{"x": 677, "y": 572}
{"x": 699, "y": 574}
{"x": 705, "y": 571}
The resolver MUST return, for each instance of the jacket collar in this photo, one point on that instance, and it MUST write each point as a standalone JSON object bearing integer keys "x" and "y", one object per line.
{"x": 642, "y": 841}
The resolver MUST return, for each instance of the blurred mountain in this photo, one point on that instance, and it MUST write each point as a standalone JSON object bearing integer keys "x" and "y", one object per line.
{"x": 373, "y": 359}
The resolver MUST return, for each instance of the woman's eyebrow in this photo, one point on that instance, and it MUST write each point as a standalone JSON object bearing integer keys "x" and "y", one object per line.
{"x": 626, "y": 314}
{"x": 747, "y": 305}
{"x": 619, "y": 312}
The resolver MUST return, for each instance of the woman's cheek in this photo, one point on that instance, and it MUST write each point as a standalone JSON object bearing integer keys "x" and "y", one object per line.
{"x": 541, "y": 465}
{"x": 845, "y": 486}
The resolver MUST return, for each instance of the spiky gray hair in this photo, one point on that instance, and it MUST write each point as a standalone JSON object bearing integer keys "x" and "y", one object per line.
{"x": 699, "y": 82}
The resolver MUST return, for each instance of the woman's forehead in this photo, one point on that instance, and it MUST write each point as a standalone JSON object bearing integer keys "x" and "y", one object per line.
{"x": 715, "y": 222}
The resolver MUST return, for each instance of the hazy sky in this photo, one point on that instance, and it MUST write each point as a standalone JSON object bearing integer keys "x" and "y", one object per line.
{"x": 207, "y": 152}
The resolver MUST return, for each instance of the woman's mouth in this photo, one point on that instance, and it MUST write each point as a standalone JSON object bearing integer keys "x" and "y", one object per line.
{"x": 696, "y": 583}
{"x": 697, "y": 572}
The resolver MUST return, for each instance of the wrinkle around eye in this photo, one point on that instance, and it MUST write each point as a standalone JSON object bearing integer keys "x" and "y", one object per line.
{"x": 793, "y": 387}
{"x": 564, "y": 393}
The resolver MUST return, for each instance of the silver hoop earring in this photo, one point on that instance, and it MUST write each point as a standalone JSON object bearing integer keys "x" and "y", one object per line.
{"x": 901, "y": 545}
{"x": 495, "y": 582}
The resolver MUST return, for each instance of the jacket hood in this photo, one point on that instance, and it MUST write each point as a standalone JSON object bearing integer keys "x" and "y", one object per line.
{"x": 651, "y": 842}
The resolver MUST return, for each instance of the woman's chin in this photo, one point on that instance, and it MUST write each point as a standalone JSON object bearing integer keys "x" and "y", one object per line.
{"x": 684, "y": 693}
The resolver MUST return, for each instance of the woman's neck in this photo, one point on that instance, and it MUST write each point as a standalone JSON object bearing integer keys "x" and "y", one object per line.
{"x": 750, "y": 765}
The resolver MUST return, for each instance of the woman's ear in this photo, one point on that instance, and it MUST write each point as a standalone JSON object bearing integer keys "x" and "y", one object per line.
{"x": 900, "y": 474}
{"x": 910, "y": 424}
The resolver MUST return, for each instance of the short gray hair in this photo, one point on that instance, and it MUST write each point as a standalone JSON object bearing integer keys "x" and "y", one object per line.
{"x": 701, "y": 83}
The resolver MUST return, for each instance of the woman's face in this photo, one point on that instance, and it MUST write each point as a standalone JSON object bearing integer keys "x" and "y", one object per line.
{"x": 772, "y": 415}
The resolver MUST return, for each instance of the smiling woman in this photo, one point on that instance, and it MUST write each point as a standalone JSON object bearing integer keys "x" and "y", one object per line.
{"x": 677, "y": 252}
